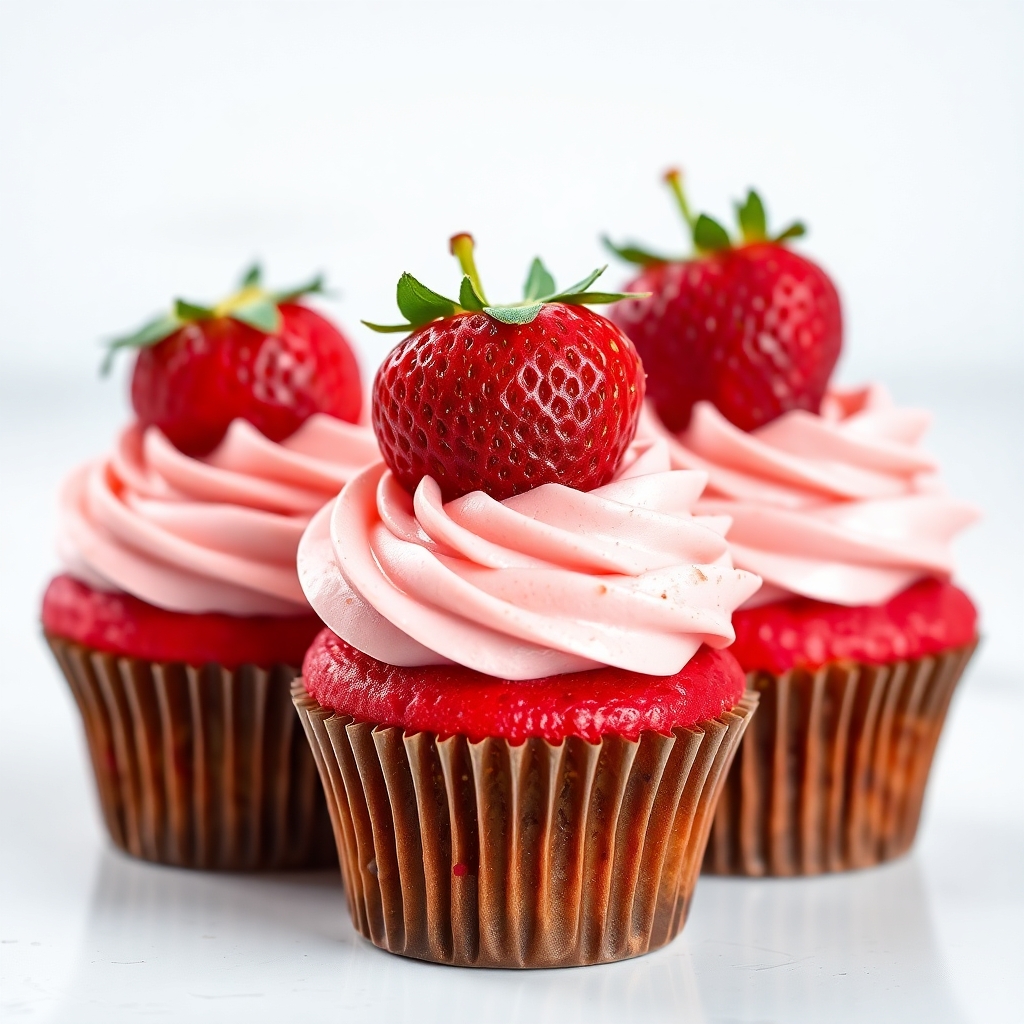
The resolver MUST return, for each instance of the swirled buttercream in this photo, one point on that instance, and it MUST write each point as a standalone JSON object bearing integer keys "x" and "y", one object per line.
{"x": 217, "y": 534}
{"x": 550, "y": 581}
{"x": 843, "y": 507}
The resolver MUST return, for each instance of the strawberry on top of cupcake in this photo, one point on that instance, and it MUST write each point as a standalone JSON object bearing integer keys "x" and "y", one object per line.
{"x": 831, "y": 496}
{"x": 180, "y": 544}
{"x": 258, "y": 355}
{"x": 515, "y": 528}
{"x": 750, "y": 326}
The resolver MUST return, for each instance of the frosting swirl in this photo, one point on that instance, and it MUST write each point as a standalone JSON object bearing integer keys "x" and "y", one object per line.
{"x": 550, "y": 581}
{"x": 216, "y": 534}
{"x": 843, "y": 507}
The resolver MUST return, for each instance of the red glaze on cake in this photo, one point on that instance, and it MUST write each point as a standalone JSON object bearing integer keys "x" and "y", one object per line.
{"x": 125, "y": 626}
{"x": 925, "y": 619}
{"x": 453, "y": 700}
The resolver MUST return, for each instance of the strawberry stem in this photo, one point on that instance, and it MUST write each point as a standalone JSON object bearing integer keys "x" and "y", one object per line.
{"x": 462, "y": 249}
{"x": 674, "y": 180}
{"x": 252, "y": 304}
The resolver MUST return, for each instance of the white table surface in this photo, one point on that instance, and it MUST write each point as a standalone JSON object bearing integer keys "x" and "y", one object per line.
{"x": 87, "y": 934}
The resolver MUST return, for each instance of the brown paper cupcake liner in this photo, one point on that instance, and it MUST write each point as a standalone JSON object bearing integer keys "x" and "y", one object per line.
{"x": 485, "y": 854}
{"x": 199, "y": 767}
{"x": 831, "y": 774}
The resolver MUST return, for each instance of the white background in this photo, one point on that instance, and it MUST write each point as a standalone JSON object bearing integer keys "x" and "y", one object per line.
{"x": 152, "y": 149}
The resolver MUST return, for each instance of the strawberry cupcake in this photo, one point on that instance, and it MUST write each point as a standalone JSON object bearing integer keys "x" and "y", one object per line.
{"x": 179, "y": 621}
{"x": 857, "y": 638}
{"x": 521, "y": 708}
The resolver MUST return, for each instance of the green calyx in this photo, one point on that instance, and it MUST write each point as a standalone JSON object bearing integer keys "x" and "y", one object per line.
{"x": 706, "y": 233}
{"x": 421, "y": 306}
{"x": 251, "y": 304}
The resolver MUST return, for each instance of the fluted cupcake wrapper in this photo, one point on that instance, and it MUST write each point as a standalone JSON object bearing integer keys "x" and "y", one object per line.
{"x": 488, "y": 854}
{"x": 831, "y": 774}
{"x": 200, "y": 767}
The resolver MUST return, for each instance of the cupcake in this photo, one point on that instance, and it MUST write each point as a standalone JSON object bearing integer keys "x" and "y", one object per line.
{"x": 857, "y": 638}
{"x": 521, "y": 708}
{"x": 179, "y": 621}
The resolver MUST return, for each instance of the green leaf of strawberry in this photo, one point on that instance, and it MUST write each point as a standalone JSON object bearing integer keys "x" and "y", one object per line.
{"x": 150, "y": 333}
{"x": 315, "y": 286}
{"x": 251, "y": 305}
{"x": 515, "y": 314}
{"x": 261, "y": 313}
{"x": 468, "y": 298}
{"x": 594, "y": 298}
{"x": 709, "y": 235}
{"x": 419, "y": 304}
{"x": 575, "y": 295}
{"x": 635, "y": 254}
{"x": 388, "y": 328}
{"x": 187, "y": 312}
{"x": 422, "y": 306}
{"x": 706, "y": 233}
{"x": 579, "y": 287}
{"x": 795, "y": 230}
{"x": 751, "y": 216}
{"x": 539, "y": 282}
{"x": 252, "y": 278}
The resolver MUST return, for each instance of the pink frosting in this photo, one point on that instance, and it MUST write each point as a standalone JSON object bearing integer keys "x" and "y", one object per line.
{"x": 554, "y": 580}
{"x": 217, "y": 534}
{"x": 843, "y": 506}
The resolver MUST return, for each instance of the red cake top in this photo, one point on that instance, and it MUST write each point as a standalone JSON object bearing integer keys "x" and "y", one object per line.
{"x": 929, "y": 617}
{"x": 125, "y": 626}
{"x": 450, "y": 699}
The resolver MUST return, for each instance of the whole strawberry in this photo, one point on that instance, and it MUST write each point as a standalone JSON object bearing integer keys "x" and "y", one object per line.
{"x": 258, "y": 356}
{"x": 751, "y": 326}
{"x": 505, "y": 398}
